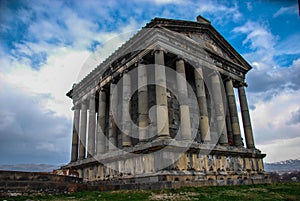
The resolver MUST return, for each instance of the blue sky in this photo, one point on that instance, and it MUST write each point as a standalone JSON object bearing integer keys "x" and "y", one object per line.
{"x": 45, "y": 44}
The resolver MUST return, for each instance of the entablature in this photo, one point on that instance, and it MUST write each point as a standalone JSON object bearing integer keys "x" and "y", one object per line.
{"x": 147, "y": 40}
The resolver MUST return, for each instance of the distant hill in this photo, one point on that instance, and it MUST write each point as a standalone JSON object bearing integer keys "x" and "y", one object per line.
{"x": 283, "y": 166}
{"x": 30, "y": 167}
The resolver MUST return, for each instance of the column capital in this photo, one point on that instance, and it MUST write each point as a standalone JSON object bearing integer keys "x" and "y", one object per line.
{"x": 179, "y": 58}
{"x": 92, "y": 95}
{"x": 125, "y": 71}
{"x": 84, "y": 101}
{"x": 76, "y": 105}
{"x": 242, "y": 84}
{"x": 213, "y": 73}
{"x": 142, "y": 61}
{"x": 227, "y": 78}
{"x": 158, "y": 49}
{"x": 103, "y": 89}
{"x": 113, "y": 81}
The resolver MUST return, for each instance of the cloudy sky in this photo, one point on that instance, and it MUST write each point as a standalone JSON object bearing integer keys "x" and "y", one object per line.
{"x": 45, "y": 44}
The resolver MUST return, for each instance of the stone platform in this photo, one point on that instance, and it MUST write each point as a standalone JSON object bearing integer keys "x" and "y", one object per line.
{"x": 170, "y": 161}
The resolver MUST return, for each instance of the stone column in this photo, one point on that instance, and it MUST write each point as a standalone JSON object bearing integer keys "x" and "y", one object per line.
{"x": 75, "y": 137}
{"x": 229, "y": 128}
{"x": 126, "y": 119}
{"x": 161, "y": 95}
{"x": 92, "y": 126}
{"x": 201, "y": 97}
{"x": 143, "y": 119}
{"x": 237, "y": 140}
{"x": 82, "y": 133}
{"x": 112, "y": 125}
{"x": 101, "y": 139}
{"x": 185, "y": 118}
{"x": 246, "y": 118}
{"x": 219, "y": 109}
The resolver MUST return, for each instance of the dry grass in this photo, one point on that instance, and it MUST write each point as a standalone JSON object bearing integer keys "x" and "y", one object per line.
{"x": 283, "y": 191}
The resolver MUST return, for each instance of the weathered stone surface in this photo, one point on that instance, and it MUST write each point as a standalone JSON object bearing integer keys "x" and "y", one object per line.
{"x": 101, "y": 124}
{"x": 83, "y": 122}
{"x": 184, "y": 109}
{"x": 246, "y": 118}
{"x": 162, "y": 122}
{"x": 112, "y": 134}
{"x": 75, "y": 137}
{"x": 92, "y": 126}
{"x": 21, "y": 183}
{"x": 233, "y": 114}
{"x": 128, "y": 156}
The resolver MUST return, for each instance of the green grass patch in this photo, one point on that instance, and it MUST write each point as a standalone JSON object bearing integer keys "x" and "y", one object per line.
{"x": 282, "y": 191}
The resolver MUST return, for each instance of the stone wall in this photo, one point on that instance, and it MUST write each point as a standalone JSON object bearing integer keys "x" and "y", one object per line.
{"x": 159, "y": 182}
{"x": 24, "y": 183}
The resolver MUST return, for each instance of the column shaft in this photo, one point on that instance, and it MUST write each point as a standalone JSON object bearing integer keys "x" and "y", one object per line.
{"x": 112, "y": 125}
{"x": 185, "y": 118}
{"x": 101, "y": 139}
{"x": 237, "y": 140}
{"x": 83, "y": 122}
{"x": 75, "y": 137}
{"x": 92, "y": 126}
{"x": 161, "y": 95}
{"x": 143, "y": 119}
{"x": 229, "y": 128}
{"x": 201, "y": 97}
{"x": 126, "y": 119}
{"x": 246, "y": 118}
{"x": 219, "y": 109}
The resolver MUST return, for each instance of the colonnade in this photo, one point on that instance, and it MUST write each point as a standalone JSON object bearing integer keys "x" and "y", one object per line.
{"x": 101, "y": 139}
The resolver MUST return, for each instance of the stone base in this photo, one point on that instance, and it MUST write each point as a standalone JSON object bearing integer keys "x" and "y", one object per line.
{"x": 159, "y": 182}
{"x": 170, "y": 163}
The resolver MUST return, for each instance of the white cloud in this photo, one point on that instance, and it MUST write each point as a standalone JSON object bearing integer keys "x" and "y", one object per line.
{"x": 267, "y": 75}
{"x": 54, "y": 79}
{"x": 65, "y": 64}
{"x": 249, "y": 6}
{"x": 270, "y": 118}
{"x": 287, "y": 11}
{"x": 46, "y": 146}
{"x": 6, "y": 118}
{"x": 219, "y": 13}
{"x": 111, "y": 41}
{"x": 29, "y": 132}
{"x": 288, "y": 46}
{"x": 295, "y": 117}
{"x": 261, "y": 40}
{"x": 278, "y": 150}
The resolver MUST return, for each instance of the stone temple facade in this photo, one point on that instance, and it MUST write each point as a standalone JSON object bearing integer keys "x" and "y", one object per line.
{"x": 163, "y": 110}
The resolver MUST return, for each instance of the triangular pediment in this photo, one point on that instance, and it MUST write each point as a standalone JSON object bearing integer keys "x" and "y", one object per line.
{"x": 205, "y": 40}
{"x": 205, "y": 34}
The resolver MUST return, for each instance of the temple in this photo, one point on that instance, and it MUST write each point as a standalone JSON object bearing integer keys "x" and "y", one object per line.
{"x": 162, "y": 111}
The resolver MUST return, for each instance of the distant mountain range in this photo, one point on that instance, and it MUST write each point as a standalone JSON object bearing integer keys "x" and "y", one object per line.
{"x": 30, "y": 167}
{"x": 283, "y": 166}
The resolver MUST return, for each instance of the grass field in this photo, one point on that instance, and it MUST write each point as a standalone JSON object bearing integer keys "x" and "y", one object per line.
{"x": 282, "y": 191}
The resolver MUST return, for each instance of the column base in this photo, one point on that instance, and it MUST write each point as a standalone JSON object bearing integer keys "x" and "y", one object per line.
{"x": 162, "y": 137}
